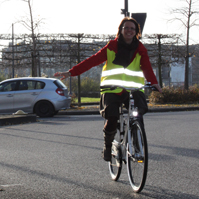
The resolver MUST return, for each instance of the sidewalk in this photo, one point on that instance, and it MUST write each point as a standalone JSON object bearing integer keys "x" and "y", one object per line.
{"x": 84, "y": 110}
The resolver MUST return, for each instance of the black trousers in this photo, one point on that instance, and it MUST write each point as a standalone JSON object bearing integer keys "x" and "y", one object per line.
{"x": 110, "y": 102}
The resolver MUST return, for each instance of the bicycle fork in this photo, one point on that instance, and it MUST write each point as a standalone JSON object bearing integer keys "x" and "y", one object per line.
{"x": 133, "y": 113}
{"x": 129, "y": 144}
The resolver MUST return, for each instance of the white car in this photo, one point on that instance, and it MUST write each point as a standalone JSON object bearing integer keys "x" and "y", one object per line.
{"x": 43, "y": 96}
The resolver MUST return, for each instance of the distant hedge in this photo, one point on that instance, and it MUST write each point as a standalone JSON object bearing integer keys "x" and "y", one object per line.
{"x": 88, "y": 86}
{"x": 175, "y": 96}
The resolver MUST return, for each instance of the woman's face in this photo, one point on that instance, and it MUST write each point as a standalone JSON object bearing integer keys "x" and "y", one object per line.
{"x": 128, "y": 31}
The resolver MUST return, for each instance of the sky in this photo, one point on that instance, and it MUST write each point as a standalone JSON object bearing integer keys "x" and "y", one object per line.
{"x": 91, "y": 16}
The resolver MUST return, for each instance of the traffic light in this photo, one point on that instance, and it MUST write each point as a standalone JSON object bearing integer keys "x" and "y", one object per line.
{"x": 140, "y": 18}
{"x": 125, "y": 10}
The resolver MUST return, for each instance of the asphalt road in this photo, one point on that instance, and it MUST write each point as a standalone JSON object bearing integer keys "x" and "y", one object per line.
{"x": 60, "y": 157}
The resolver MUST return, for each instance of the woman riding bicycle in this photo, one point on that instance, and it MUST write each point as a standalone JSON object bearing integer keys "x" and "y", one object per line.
{"x": 127, "y": 63}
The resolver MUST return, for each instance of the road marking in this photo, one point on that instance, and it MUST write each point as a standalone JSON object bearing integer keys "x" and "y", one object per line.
{"x": 10, "y": 185}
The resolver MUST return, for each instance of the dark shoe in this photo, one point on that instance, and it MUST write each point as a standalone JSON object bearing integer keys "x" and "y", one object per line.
{"x": 107, "y": 153}
{"x": 108, "y": 139}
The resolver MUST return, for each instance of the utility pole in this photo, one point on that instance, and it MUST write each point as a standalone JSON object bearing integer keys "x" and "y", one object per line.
{"x": 159, "y": 61}
{"x": 186, "y": 81}
{"x": 13, "y": 75}
{"x": 70, "y": 76}
{"x": 39, "y": 67}
{"x": 78, "y": 59}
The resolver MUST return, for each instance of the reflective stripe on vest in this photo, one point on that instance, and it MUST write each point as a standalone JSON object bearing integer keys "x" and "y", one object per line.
{"x": 113, "y": 74}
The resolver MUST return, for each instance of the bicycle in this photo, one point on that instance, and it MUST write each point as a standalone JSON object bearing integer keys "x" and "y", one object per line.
{"x": 130, "y": 143}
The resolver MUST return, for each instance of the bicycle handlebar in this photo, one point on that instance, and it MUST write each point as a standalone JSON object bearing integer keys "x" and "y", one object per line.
{"x": 113, "y": 87}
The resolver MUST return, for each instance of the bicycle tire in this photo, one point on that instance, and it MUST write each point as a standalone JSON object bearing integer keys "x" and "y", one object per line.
{"x": 115, "y": 165}
{"x": 137, "y": 163}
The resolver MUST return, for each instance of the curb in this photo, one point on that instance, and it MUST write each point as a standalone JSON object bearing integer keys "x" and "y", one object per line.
{"x": 155, "y": 110}
{"x": 17, "y": 119}
{"x": 151, "y": 110}
{"x": 30, "y": 118}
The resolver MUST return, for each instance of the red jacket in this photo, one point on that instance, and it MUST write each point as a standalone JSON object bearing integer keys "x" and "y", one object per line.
{"x": 101, "y": 56}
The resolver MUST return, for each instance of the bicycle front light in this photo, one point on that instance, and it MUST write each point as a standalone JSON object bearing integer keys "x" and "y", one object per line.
{"x": 134, "y": 112}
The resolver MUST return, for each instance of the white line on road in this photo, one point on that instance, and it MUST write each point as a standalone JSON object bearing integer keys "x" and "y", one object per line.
{"x": 10, "y": 185}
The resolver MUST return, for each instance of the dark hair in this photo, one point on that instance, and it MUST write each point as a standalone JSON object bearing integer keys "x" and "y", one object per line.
{"x": 138, "y": 32}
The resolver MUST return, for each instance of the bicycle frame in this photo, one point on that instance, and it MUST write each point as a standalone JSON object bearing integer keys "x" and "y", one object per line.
{"x": 127, "y": 132}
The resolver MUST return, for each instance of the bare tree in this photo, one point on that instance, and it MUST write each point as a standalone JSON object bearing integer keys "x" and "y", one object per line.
{"x": 31, "y": 24}
{"x": 186, "y": 15}
{"x": 160, "y": 49}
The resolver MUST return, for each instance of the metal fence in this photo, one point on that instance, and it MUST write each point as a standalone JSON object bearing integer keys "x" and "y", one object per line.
{"x": 59, "y": 52}
{"x": 53, "y": 52}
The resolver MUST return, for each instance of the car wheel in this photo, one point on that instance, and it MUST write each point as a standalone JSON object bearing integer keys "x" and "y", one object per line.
{"x": 44, "y": 109}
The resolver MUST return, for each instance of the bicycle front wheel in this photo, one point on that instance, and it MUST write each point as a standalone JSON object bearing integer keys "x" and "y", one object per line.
{"x": 137, "y": 157}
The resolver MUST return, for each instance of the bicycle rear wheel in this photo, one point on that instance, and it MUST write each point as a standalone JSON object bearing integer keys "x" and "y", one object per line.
{"x": 137, "y": 162}
{"x": 115, "y": 165}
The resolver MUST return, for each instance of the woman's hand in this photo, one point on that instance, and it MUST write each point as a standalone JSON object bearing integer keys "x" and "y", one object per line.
{"x": 64, "y": 75}
{"x": 158, "y": 87}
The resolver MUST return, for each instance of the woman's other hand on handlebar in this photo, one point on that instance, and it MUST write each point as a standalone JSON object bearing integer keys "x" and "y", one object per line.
{"x": 64, "y": 75}
{"x": 157, "y": 86}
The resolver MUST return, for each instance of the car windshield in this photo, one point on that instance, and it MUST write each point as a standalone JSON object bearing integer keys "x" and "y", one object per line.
{"x": 59, "y": 84}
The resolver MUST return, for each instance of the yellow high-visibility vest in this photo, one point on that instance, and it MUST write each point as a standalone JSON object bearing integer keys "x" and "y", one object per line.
{"x": 112, "y": 74}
